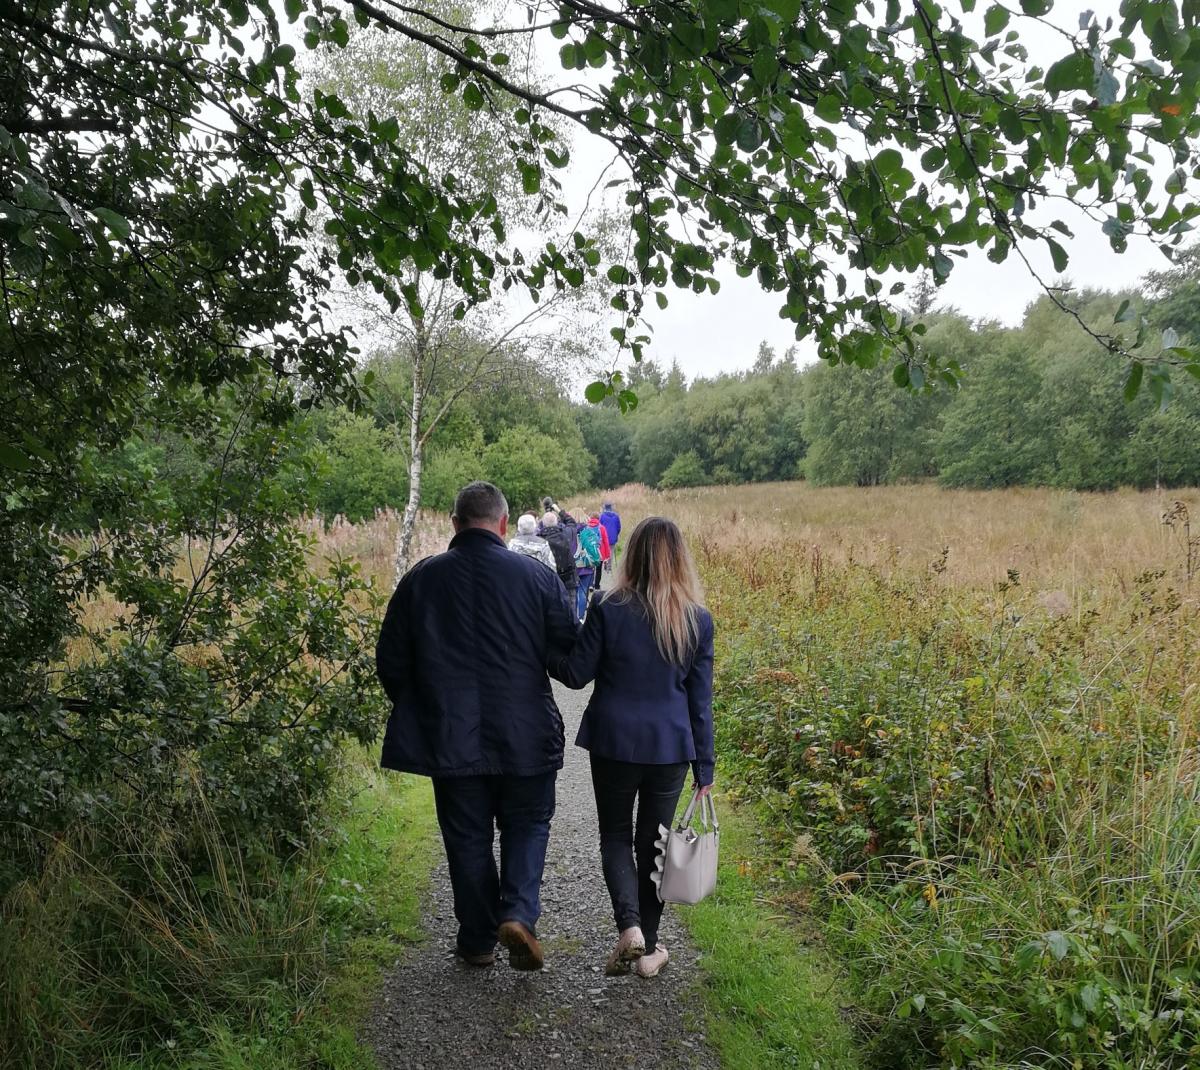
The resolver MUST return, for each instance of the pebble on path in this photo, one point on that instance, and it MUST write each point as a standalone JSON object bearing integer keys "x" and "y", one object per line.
{"x": 436, "y": 1014}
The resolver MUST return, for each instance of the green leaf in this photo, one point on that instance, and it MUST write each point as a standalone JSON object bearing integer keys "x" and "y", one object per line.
{"x": 1106, "y": 86}
{"x": 115, "y": 222}
{"x": 596, "y": 392}
{"x": 531, "y": 178}
{"x": 888, "y": 162}
{"x": 472, "y": 96}
{"x": 293, "y": 8}
{"x": 726, "y": 128}
{"x": 1075, "y": 71}
{"x": 1133, "y": 380}
{"x": 1057, "y": 944}
{"x": 1124, "y": 312}
{"x": 1059, "y": 255}
{"x": 933, "y": 158}
{"x": 829, "y": 108}
{"x": 994, "y": 20}
{"x": 283, "y": 56}
{"x": 749, "y": 134}
{"x": 765, "y": 67}
{"x": 900, "y": 375}
{"x": 13, "y": 459}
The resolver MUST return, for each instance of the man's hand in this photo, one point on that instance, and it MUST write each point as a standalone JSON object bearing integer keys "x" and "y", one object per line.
{"x": 702, "y": 791}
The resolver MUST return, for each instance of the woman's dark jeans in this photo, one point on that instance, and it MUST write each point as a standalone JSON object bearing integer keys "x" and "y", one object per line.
{"x": 628, "y": 852}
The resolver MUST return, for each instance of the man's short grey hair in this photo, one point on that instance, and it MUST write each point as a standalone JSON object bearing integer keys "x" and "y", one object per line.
{"x": 526, "y": 524}
{"x": 480, "y": 503}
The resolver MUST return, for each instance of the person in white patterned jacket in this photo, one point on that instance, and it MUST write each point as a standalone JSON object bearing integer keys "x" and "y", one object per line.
{"x": 529, "y": 544}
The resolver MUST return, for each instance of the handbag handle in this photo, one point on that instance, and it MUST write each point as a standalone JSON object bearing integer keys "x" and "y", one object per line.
{"x": 707, "y": 811}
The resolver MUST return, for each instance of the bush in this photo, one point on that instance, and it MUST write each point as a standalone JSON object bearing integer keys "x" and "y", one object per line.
{"x": 526, "y": 465}
{"x": 686, "y": 470}
{"x": 364, "y": 468}
{"x": 196, "y": 644}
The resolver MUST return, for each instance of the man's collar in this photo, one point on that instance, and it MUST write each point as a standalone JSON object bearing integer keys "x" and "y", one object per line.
{"x": 470, "y": 535}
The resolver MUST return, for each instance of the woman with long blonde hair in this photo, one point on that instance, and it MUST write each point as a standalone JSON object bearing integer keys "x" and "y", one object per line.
{"x": 648, "y": 644}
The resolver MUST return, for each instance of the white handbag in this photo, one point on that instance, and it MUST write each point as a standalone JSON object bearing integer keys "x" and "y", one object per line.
{"x": 686, "y": 867}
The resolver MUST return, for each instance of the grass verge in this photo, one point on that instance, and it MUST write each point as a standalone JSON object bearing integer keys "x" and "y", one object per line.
{"x": 772, "y": 997}
{"x": 168, "y": 945}
{"x": 375, "y": 877}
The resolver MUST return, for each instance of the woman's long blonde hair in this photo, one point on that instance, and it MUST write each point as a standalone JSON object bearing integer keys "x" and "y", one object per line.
{"x": 658, "y": 570}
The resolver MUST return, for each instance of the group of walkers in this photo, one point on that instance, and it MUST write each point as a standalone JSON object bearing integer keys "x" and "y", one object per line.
{"x": 580, "y": 551}
{"x": 469, "y": 643}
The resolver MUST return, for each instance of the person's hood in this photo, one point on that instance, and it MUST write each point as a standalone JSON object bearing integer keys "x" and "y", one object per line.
{"x": 551, "y": 528}
{"x": 594, "y": 523}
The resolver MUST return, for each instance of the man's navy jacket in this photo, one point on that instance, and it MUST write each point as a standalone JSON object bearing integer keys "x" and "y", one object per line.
{"x": 463, "y": 654}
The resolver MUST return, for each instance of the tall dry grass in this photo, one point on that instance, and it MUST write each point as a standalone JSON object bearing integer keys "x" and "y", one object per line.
{"x": 1054, "y": 539}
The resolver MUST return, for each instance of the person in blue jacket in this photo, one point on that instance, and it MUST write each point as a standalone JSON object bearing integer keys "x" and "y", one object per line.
{"x": 648, "y": 644}
{"x": 611, "y": 520}
{"x": 462, "y": 655}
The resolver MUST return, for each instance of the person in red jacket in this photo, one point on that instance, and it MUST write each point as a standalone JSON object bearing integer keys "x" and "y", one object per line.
{"x": 605, "y": 547}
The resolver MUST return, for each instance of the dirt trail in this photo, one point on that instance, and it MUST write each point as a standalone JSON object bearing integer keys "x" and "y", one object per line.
{"x": 435, "y": 1014}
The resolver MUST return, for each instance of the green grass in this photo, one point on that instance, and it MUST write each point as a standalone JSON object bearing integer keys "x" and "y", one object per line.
{"x": 772, "y": 998}
{"x": 376, "y": 876}
{"x": 130, "y": 954}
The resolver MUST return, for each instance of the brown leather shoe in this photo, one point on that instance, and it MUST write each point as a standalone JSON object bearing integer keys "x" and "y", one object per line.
{"x": 524, "y": 951}
{"x": 482, "y": 958}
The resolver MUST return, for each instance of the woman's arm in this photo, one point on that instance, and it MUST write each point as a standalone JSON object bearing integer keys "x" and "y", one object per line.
{"x": 698, "y": 684}
{"x": 578, "y": 669}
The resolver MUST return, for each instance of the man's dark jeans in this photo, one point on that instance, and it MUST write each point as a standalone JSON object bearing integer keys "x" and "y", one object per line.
{"x": 468, "y": 810}
{"x": 628, "y": 852}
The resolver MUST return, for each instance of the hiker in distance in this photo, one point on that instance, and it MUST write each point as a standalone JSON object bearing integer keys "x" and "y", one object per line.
{"x": 462, "y": 656}
{"x": 648, "y": 644}
{"x": 611, "y": 520}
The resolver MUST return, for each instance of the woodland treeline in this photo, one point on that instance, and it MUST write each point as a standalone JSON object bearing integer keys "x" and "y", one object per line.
{"x": 1038, "y": 404}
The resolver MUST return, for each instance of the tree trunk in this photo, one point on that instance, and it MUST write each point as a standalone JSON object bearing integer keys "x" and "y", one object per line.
{"x": 416, "y": 458}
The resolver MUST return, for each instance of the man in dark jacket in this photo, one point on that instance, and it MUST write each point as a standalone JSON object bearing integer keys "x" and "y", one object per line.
{"x": 563, "y": 550}
{"x": 462, "y": 655}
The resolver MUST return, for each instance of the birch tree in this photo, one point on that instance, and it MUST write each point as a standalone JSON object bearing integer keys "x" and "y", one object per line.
{"x": 447, "y": 344}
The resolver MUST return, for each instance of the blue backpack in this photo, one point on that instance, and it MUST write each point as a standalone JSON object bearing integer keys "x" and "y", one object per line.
{"x": 588, "y": 555}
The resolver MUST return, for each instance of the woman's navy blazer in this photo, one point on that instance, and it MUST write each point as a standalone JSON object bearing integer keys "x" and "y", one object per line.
{"x": 644, "y": 708}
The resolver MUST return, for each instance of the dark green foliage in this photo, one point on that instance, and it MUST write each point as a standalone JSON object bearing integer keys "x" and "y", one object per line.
{"x": 526, "y": 464}
{"x": 186, "y": 646}
{"x": 362, "y": 468}
{"x": 687, "y": 470}
{"x": 995, "y": 436}
{"x": 862, "y": 430}
{"x": 608, "y": 437}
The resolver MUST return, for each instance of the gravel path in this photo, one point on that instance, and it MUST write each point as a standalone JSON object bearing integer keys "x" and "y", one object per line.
{"x": 435, "y": 1014}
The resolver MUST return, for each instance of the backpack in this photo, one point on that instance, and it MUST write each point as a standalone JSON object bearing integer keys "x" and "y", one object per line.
{"x": 589, "y": 548}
